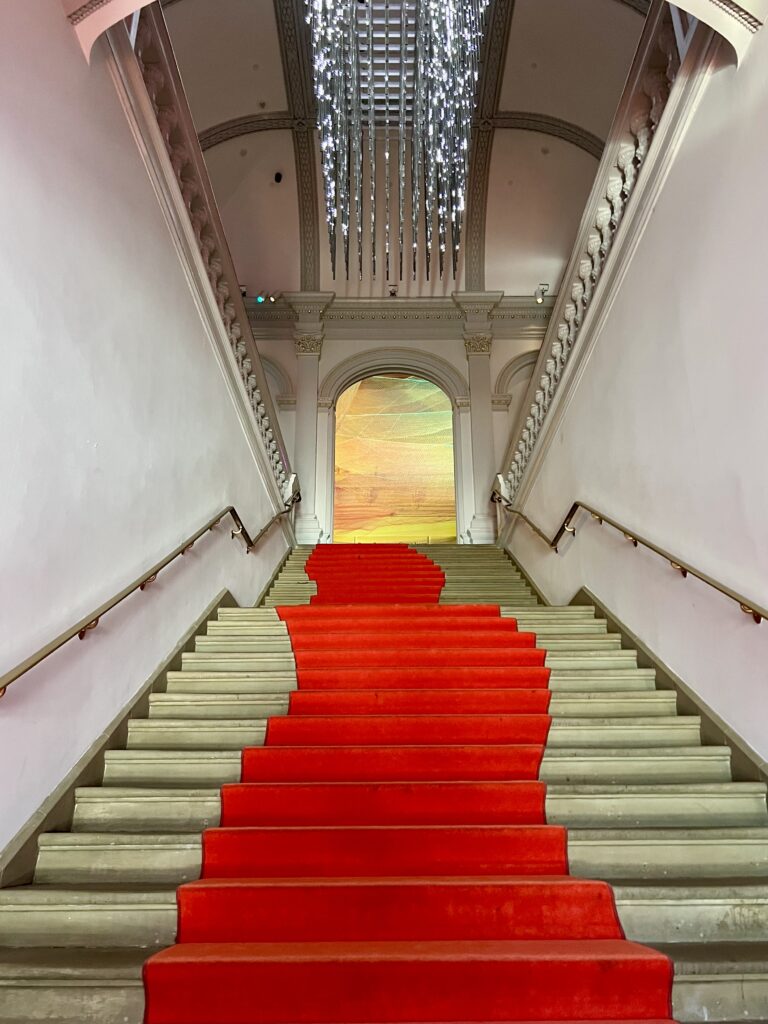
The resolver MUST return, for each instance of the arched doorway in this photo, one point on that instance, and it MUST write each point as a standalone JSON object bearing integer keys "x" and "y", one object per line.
{"x": 394, "y": 462}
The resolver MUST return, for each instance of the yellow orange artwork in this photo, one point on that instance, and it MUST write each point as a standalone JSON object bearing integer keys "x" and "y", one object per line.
{"x": 394, "y": 462}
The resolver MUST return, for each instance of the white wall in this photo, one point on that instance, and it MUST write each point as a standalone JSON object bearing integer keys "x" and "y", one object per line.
{"x": 119, "y": 438}
{"x": 667, "y": 429}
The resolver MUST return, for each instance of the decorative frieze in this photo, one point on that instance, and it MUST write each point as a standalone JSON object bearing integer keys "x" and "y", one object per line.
{"x": 154, "y": 56}
{"x": 478, "y": 344}
{"x": 308, "y": 344}
{"x": 639, "y": 113}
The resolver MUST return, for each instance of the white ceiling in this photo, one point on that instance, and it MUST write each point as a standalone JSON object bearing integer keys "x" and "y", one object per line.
{"x": 229, "y": 55}
{"x": 567, "y": 59}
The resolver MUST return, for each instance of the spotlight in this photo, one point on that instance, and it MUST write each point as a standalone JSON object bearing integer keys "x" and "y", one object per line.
{"x": 261, "y": 297}
{"x": 540, "y": 292}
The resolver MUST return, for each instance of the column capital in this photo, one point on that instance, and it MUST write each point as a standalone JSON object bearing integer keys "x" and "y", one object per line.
{"x": 478, "y": 344}
{"x": 308, "y": 344}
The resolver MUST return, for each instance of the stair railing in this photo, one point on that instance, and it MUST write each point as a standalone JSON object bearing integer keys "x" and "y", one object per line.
{"x": 751, "y": 608}
{"x": 642, "y": 104}
{"x": 91, "y": 621}
{"x": 156, "y": 64}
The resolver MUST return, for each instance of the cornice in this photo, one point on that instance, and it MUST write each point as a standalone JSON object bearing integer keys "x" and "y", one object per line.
{"x": 433, "y": 319}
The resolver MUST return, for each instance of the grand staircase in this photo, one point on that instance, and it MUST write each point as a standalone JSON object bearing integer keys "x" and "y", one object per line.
{"x": 646, "y": 806}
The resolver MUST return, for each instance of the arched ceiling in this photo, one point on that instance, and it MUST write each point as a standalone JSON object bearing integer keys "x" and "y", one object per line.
{"x": 552, "y": 74}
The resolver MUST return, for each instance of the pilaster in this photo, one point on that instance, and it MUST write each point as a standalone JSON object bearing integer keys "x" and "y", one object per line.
{"x": 309, "y": 331}
{"x": 477, "y": 308}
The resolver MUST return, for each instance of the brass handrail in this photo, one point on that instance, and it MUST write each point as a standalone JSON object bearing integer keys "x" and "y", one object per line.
{"x": 751, "y": 608}
{"x": 85, "y": 625}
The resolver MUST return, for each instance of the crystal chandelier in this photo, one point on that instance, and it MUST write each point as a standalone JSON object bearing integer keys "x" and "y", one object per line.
{"x": 395, "y": 81}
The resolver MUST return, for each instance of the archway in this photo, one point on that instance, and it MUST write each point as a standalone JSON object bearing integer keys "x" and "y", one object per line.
{"x": 394, "y": 461}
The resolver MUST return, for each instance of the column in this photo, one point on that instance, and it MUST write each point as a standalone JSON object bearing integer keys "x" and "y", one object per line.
{"x": 478, "y": 347}
{"x": 478, "y": 339}
{"x": 308, "y": 346}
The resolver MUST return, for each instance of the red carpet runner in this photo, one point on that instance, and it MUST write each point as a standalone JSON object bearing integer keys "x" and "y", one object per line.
{"x": 386, "y": 856}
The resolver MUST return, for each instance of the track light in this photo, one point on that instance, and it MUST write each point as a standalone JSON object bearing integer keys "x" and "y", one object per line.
{"x": 540, "y": 292}
{"x": 263, "y": 297}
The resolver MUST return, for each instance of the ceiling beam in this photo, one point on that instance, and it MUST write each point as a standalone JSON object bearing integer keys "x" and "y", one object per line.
{"x": 492, "y": 61}
{"x": 521, "y": 120}
{"x": 297, "y": 63}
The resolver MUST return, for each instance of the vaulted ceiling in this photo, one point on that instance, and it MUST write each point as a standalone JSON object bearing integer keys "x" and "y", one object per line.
{"x": 552, "y": 74}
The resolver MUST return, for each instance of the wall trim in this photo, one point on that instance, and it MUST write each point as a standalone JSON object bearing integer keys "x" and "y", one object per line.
{"x": 18, "y": 859}
{"x": 387, "y": 360}
{"x": 517, "y": 367}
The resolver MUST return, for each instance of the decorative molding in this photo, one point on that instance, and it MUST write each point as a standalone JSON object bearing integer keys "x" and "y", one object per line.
{"x": 395, "y": 360}
{"x": 155, "y": 61}
{"x": 655, "y": 107}
{"x": 544, "y": 124}
{"x": 520, "y": 366}
{"x": 478, "y": 344}
{"x": 514, "y": 317}
{"x": 500, "y": 403}
{"x": 159, "y": 126}
{"x": 266, "y": 122}
{"x": 508, "y": 120}
{"x": 308, "y": 344}
{"x": 286, "y": 402}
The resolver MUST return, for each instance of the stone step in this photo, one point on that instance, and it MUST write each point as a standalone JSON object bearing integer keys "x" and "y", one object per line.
{"x": 171, "y": 767}
{"x": 660, "y": 855}
{"x": 534, "y": 624}
{"x": 637, "y": 765}
{"x": 668, "y": 853}
{"x": 183, "y": 734}
{"x": 603, "y": 680}
{"x": 282, "y": 644}
{"x": 592, "y": 659}
{"x": 37, "y": 916}
{"x": 229, "y": 734}
{"x": 717, "y": 805}
{"x": 217, "y": 703}
{"x": 657, "y": 731}
{"x": 71, "y": 986}
{"x": 719, "y": 981}
{"x": 235, "y": 682}
{"x": 214, "y": 768}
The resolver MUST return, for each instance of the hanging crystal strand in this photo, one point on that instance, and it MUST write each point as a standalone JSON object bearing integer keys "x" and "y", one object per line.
{"x": 387, "y": 168}
{"x": 372, "y": 135}
{"x": 356, "y": 138}
{"x": 401, "y": 129}
{"x": 417, "y": 137}
{"x": 343, "y": 91}
{"x": 429, "y": 131}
